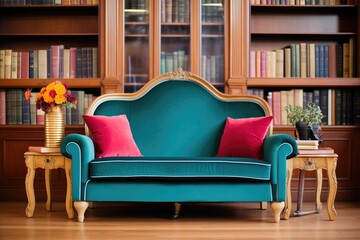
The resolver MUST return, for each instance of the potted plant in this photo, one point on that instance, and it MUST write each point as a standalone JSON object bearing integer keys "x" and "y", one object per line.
{"x": 307, "y": 120}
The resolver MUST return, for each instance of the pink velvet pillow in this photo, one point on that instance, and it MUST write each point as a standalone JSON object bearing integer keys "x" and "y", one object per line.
{"x": 244, "y": 137}
{"x": 112, "y": 136}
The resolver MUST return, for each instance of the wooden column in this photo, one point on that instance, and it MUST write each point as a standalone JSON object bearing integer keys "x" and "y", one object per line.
{"x": 113, "y": 45}
{"x": 239, "y": 47}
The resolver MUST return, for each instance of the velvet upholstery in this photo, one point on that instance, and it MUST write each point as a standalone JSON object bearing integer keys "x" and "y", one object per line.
{"x": 177, "y": 125}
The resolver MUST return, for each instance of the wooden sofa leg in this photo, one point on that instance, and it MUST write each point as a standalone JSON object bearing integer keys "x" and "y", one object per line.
{"x": 263, "y": 205}
{"x": 81, "y": 207}
{"x": 277, "y": 208}
{"x": 177, "y": 210}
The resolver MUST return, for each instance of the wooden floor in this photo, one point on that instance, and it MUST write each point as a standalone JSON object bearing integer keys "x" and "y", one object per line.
{"x": 197, "y": 221}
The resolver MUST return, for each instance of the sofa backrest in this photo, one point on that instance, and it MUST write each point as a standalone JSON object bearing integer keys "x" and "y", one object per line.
{"x": 178, "y": 114}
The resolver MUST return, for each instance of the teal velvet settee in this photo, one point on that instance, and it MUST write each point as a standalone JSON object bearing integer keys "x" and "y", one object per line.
{"x": 177, "y": 121}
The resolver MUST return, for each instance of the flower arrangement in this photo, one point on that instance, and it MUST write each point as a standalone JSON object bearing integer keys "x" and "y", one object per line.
{"x": 53, "y": 95}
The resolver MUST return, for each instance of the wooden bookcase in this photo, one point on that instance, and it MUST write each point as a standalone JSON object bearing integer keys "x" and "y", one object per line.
{"x": 130, "y": 40}
{"x": 25, "y": 28}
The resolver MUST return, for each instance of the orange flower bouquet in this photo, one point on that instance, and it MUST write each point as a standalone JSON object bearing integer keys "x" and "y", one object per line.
{"x": 53, "y": 95}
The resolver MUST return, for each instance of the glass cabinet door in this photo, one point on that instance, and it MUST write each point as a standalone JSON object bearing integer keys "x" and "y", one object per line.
{"x": 212, "y": 42}
{"x": 175, "y": 35}
{"x": 136, "y": 59}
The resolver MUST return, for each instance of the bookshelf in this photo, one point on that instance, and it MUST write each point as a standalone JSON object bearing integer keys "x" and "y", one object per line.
{"x": 172, "y": 34}
{"x": 333, "y": 24}
{"x": 28, "y": 29}
{"x": 318, "y": 52}
{"x": 132, "y": 37}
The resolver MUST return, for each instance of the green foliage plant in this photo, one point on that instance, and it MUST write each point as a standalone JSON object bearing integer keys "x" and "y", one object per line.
{"x": 310, "y": 114}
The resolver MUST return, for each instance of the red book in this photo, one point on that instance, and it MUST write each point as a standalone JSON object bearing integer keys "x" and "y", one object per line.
{"x": 40, "y": 117}
{"x": 19, "y": 65}
{"x": 72, "y": 62}
{"x": 25, "y": 65}
{"x": 332, "y": 60}
{"x": 55, "y": 61}
{"x": 263, "y": 64}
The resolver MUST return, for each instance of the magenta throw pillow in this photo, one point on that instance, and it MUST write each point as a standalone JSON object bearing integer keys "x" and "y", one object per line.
{"x": 112, "y": 136}
{"x": 244, "y": 137}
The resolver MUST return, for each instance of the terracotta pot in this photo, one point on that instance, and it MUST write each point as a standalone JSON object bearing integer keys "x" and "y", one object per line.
{"x": 54, "y": 127}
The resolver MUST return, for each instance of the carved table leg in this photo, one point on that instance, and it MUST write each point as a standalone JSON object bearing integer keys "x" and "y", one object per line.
{"x": 29, "y": 185}
{"x": 319, "y": 179}
{"x": 68, "y": 200}
{"x": 48, "y": 189}
{"x": 331, "y": 167}
{"x": 289, "y": 172}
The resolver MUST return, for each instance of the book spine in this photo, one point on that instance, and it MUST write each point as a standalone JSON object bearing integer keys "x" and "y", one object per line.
{"x": 25, "y": 110}
{"x": 2, "y": 107}
{"x": 25, "y": 65}
{"x": 2, "y": 63}
{"x": 55, "y": 61}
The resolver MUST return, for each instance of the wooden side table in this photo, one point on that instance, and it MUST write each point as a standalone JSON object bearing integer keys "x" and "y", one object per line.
{"x": 47, "y": 161}
{"x": 311, "y": 162}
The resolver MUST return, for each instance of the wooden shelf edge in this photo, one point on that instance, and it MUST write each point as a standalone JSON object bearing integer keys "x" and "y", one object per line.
{"x": 323, "y": 127}
{"x": 48, "y": 5}
{"x": 38, "y": 83}
{"x": 302, "y": 6}
{"x": 303, "y": 82}
{"x": 306, "y": 33}
{"x": 49, "y": 34}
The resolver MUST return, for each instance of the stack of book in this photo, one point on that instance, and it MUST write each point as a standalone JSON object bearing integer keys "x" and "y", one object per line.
{"x": 307, "y": 144}
{"x": 318, "y": 151}
{"x": 43, "y": 149}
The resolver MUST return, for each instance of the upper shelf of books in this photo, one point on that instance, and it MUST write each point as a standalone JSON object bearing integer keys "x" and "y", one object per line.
{"x": 336, "y": 20}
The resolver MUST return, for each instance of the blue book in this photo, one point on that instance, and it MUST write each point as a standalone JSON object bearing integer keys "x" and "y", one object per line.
{"x": 317, "y": 60}
{"x": 326, "y": 60}
{"x": 48, "y": 60}
{"x": 31, "y": 64}
{"x": 25, "y": 110}
{"x": 321, "y": 61}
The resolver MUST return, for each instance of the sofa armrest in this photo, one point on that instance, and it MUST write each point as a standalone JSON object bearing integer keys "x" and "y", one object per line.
{"x": 80, "y": 148}
{"x": 277, "y": 149}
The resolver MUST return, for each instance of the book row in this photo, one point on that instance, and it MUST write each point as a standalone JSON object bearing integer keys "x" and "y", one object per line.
{"x": 14, "y": 109}
{"x": 212, "y": 11}
{"x": 174, "y": 11}
{"x": 53, "y": 62}
{"x": 135, "y": 11}
{"x": 303, "y": 2}
{"x": 48, "y": 2}
{"x": 171, "y": 61}
{"x": 212, "y": 68}
{"x": 305, "y": 60}
{"x": 340, "y": 106}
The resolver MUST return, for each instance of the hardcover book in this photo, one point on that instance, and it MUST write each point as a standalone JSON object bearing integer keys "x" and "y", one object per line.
{"x": 42, "y": 149}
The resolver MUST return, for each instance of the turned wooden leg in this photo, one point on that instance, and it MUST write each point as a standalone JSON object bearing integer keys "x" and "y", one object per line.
{"x": 277, "y": 208}
{"x": 81, "y": 207}
{"x": 177, "y": 210}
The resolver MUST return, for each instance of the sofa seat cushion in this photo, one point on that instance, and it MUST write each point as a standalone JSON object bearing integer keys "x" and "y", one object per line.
{"x": 151, "y": 167}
